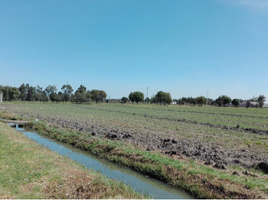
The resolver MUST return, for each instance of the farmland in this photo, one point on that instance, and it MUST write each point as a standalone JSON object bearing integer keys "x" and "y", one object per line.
{"x": 227, "y": 140}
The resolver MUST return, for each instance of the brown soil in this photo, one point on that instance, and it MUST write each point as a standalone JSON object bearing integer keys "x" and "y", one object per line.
{"x": 209, "y": 153}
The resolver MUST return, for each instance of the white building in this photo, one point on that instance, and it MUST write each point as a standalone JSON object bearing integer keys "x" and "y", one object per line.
{"x": 265, "y": 105}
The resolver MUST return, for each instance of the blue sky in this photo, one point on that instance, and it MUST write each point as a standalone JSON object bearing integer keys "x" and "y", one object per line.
{"x": 185, "y": 47}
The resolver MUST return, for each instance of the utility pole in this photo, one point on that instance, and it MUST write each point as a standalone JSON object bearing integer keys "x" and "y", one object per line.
{"x": 207, "y": 98}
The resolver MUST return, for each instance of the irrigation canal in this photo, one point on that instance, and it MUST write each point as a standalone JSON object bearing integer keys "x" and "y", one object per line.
{"x": 139, "y": 182}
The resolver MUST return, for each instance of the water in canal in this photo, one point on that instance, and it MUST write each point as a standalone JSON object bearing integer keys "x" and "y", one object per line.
{"x": 139, "y": 182}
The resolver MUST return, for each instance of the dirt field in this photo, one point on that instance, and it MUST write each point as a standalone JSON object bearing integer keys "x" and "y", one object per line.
{"x": 215, "y": 136}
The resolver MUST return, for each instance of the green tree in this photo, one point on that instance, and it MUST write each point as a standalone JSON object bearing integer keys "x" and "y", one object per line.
{"x": 67, "y": 91}
{"x": 102, "y": 95}
{"x": 192, "y": 100}
{"x": 50, "y": 89}
{"x": 153, "y": 99}
{"x": 80, "y": 94}
{"x": 219, "y": 101}
{"x": 163, "y": 97}
{"x": 88, "y": 96}
{"x": 226, "y": 99}
{"x": 236, "y": 102}
{"x": 261, "y": 100}
{"x": 23, "y": 92}
{"x": 53, "y": 96}
{"x": 30, "y": 93}
{"x": 38, "y": 93}
{"x": 168, "y": 98}
{"x": 136, "y": 97}
{"x": 124, "y": 100}
{"x": 223, "y": 100}
{"x": 60, "y": 97}
{"x": 10, "y": 93}
{"x": 131, "y": 97}
{"x": 201, "y": 100}
{"x": 98, "y": 95}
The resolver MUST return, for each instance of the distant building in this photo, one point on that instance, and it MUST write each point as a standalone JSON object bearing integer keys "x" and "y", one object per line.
{"x": 251, "y": 104}
{"x": 265, "y": 105}
{"x": 174, "y": 102}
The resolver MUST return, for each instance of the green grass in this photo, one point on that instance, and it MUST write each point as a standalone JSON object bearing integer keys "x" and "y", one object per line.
{"x": 28, "y": 170}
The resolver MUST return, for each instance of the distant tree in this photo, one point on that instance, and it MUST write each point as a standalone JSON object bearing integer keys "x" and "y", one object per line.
{"x": 136, "y": 97}
{"x": 98, "y": 95}
{"x": 102, "y": 95}
{"x": 219, "y": 101}
{"x": 192, "y": 101}
{"x": 88, "y": 96}
{"x": 50, "y": 89}
{"x": 153, "y": 99}
{"x": 168, "y": 98}
{"x": 201, "y": 100}
{"x": 23, "y": 92}
{"x": 38, "y": 93}
{"x": 124, "y": 100}
{"x": 80, "y": 94}
{"x": 94, "y": 95}
{"x": 67, "y": 91}
{"x": 10, "y": 93}
{"x": 30, "y": 93}
{"x": 60, "y": 97}
{"x": 131, "y": 97}
{"x": 261, "y": 100}
{"x": 160, "y": 97}
{"x": 248, "y": 103}
{"x": 226, "y": 100}
{"x": 147, "y": 100}
{"x": 223, "y": 100}
{"x": 163, "y": 97}
{"x": 53, "y": 96}
{"x": 180, "y": 102}
{"x": 236, "y": 102}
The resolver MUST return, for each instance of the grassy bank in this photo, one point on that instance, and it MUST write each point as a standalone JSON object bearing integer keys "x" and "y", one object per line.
{"x": 28, "y": 170}
{"x": 200, "y": 180}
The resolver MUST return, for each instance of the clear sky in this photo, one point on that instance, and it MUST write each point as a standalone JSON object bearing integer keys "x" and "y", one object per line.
{"x": 185, "y": 47}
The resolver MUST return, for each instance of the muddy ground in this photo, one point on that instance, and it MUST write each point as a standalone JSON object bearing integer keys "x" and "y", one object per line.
{"x": 209, "y": 153}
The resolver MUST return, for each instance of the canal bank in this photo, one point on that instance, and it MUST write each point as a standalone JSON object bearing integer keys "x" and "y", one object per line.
{"x": 30, "y": 171}
{"x": 139, "y": 182}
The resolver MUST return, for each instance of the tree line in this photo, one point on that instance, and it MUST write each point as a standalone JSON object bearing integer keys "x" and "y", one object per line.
{"x": 222, "y": 101}
{"x": 161, "y": 97}
{"x": 29, "y": 93}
